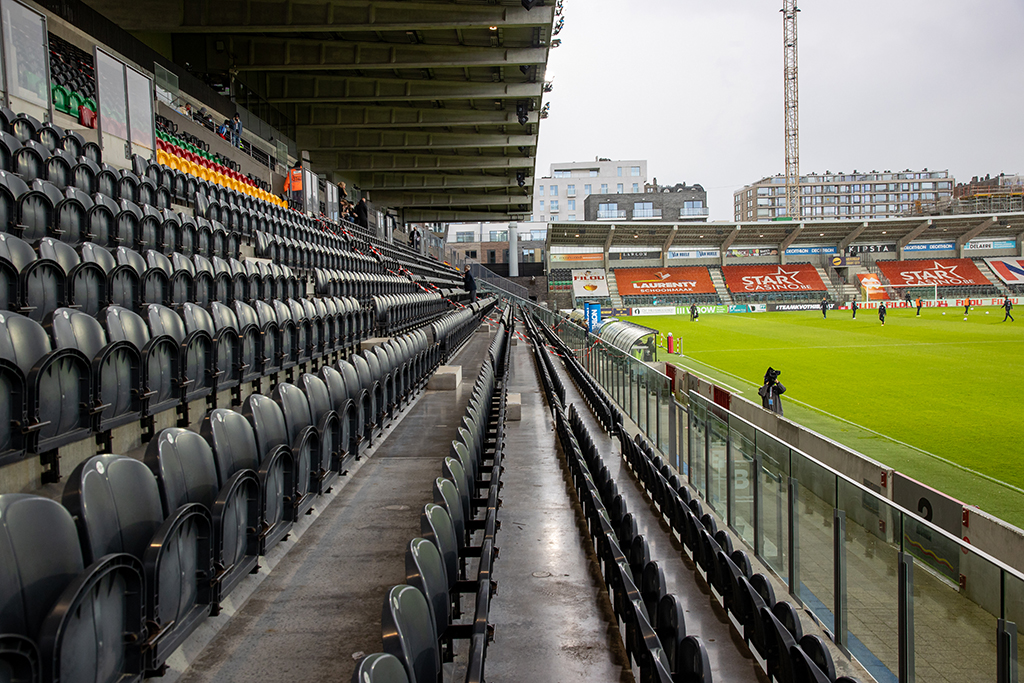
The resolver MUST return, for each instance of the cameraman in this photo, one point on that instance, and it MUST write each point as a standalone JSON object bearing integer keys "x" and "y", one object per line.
{"x": 771, "y": 391}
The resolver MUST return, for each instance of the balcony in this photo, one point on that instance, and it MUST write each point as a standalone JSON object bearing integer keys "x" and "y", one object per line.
{"x": 640, "y": 214}
{"x": 570, "y": 193}
{"x": 609, "y": 214}
{"x": 689, "y": 212}
{"x": 553, "y": 209}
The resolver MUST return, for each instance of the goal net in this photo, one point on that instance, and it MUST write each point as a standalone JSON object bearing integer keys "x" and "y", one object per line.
{"x": 873, "y": 290}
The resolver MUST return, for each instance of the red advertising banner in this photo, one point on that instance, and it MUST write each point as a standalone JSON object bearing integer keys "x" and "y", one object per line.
{"x": 799, "y": 277}
{"x": 871, "y": 283}
{"x": 947, "y": 272}
{"x": 679, "y": 280}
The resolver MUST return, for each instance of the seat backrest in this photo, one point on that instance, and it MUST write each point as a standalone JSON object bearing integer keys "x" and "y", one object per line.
{"x": 295, "y": 407}
{"x": 163, "y": 320}
{"x": 184, "y": 467}
{"x": 233, "y": 442}
{"x": 116, "y": 503}
{"x": 125, "y": 325}
{"x": 380, "y": 667}
{"x": 318, "y": 396}
{"x": 447, "y": 495}
{"x": 71, "y": 329}
{"x": 198, "y": 318}
{"x": 23, "y": 341}
{"x": 425, "y": 570}
{"x": 32, "y": 573}
{"x": 94, "y": 253}
{"x": 267, "y": 421}
{"x": 408, "y": 633}
{"x": 692, "y": 663}
{"x": 436, "y": 525}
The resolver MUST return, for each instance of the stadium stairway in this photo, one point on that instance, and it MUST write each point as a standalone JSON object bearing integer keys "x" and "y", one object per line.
{"x": 720, "y": 288}
{"x": 613, "y": 289}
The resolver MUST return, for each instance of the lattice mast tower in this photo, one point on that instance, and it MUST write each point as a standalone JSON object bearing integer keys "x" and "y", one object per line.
{"x": 792, "y": 106}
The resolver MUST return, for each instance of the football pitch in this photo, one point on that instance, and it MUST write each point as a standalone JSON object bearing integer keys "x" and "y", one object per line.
{"x": 936, "y": 397}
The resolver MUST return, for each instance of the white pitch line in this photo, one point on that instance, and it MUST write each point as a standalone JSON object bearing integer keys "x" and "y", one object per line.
{"x": 958, "y": 466}
{"x": 866, "y": 346}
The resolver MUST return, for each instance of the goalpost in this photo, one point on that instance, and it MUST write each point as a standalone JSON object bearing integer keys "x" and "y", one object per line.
{"x": 900, "y": 293}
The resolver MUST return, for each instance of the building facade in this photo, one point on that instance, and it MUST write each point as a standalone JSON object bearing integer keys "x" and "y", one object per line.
{"x": 853, "y": 196}
{"x": 672, "y": 203}
{"x": 560, "y": 196}
{"x": 488, "y": 242}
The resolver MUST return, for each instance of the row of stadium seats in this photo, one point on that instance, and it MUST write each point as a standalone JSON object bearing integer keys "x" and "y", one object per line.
{"x": 139, "y": 553}
{"x": 418, "y": 622}
{"x": 672, "y": 300}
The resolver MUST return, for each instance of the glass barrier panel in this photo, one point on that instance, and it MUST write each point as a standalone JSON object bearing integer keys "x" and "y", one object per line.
{"x": 110, "y": 94}
{"x": 641, "y": 398}
{"x": 26, "y": 53}
{"x": 744, "y": 473}
{"x": 772, "y": 536}
{"x": 718, "y": 455}
{"x": 698, "y": 445}
{"x": 1013, "y": 589}
{"x": 816, "y": 499}
{"x": 871, "y": 580}
{"x": 664, "y": 403}
{"x": 140, "y": 112}
{"x": 632, "y": 387}
{"x": 955, "y": 630}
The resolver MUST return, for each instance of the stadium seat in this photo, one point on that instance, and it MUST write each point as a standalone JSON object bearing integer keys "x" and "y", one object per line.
{"x": 116, "y": 503}
{"x": 380, "y": 668}
{"x": 409, "y": 634}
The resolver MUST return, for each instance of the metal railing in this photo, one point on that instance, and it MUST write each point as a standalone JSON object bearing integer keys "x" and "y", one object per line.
{"x": 487, "y": 279}
{"x": 608, "y": 214}
{"x": 646, "y": 213}
{"x": 686, "y": 212}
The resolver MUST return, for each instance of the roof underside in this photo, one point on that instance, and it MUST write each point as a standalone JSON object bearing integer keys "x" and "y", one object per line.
{"x": 790, "y": 233}
{"x": 412, "y": 101}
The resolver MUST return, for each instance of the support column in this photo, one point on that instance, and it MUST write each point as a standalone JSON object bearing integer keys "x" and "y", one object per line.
{"x": 513, "y": 249}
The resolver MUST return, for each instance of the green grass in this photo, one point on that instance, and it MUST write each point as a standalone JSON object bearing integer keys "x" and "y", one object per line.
{"x": 936, "y": 383}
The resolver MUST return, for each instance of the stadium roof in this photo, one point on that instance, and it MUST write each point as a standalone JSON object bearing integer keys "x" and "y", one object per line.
{"x": 414, "y": 101}
{"x": 723, "y": 235}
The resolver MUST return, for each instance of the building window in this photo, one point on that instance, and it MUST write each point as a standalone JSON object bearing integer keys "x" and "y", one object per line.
{"x": 570, "y": 191}
{"x": 608, "y": 211}
{"x": 636, "y": 188}
{"x": 538, "y": 235}
{"x": 471, "y": 253}
{"x": 542, "y": 206}
{"x": 644, "y": 210}
{"x": 586, "y": 190}
{"x": 619, "y": 171}
{"x": 572, "y": 216}
{"x": 464, "y": 237}
{"x": 504, "y": 256}
{"x": 604, "y": 188}
{"x": 563, "y": 174}
{"x": 540, "y": 190}
{"x": 554, "y": 205}
{"x": 572, "y": 204}
{"x": 593, "y": 173}
{"x": 618, "y": 188}
{"x": 634, "y": 171}
{"x": 491, "y": 256}
{"x": 554, "y": 190}
{"x": 499, "y": 236}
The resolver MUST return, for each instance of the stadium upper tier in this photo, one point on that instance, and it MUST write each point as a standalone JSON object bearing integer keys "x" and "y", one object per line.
{"x": 785, "y": 234}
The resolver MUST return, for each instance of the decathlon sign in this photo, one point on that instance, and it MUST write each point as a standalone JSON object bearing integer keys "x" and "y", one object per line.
{"x": 589, "y": 283}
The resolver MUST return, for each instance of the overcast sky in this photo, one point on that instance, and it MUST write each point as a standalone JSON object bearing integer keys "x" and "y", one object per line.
{"x": 696, "y": 88}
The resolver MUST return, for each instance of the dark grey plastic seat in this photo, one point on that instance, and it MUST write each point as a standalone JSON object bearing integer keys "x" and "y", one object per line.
{"x": 692, "y": 664}
{"x": 116, "y": 503}
{"x": 87, "y": 620}
{"x": 247, "y": 323}
{"x": 187, "y": 472}
{"x": 408, "y": 633}
{"x": 195, "y": 348}
{"x": 347, "y": 408}
{"x": 226, "y": 352}
{"x": 425, "y": 570}
{"x": 117, "y": 388}
{"x": 235, "y": 450}
{"x": 329, "y": 425}
{"x": 380, "y": 668}
{"x": 303, "y": 438}
{"x": 160, "y": 357}
{"x": 55, "y": 387}
{"x": 271, "y": 432}
{"x": 436, "y": 526}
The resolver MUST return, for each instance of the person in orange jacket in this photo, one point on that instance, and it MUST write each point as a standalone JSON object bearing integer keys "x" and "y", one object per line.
{"x": 293, "y": 186}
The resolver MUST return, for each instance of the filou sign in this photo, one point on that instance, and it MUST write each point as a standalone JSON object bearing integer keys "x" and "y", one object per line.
{"x": 592, "y": 282}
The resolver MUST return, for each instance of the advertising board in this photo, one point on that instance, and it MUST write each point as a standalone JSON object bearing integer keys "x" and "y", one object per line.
{"x": 654, "y": 281}
{"x": 589, "y": 282}
{"x": 928, "y": 272}
{"x": 799, "y": 277}
{"x": 1009, "y": 270}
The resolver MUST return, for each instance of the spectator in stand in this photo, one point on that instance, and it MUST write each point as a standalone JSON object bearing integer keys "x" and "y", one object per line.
{"x": 236, "y": 131}
{"x": 412, "y": 238}
{"x": 293, "y": 186}
{"x": 1008, "y": 305}
{"x": 470, "y": 284}
{"x": 342, "y": 192}
{"x": 362, "y": 213}
{"x": 225, "y": 129}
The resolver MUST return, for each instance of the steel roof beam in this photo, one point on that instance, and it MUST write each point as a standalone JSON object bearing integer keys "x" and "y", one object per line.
{"x": 367, "y": 117}
{"x": 254, "y": 16}
{"x": 446, "y": 199}
{"x": 310, "y": 89}
{"x": 404, "y": 181}
{"x": 963, "y": 239}
{"x": 370, "y": 163}
{"x": 260, "y": 53}
{"x": 404, "y": 140}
